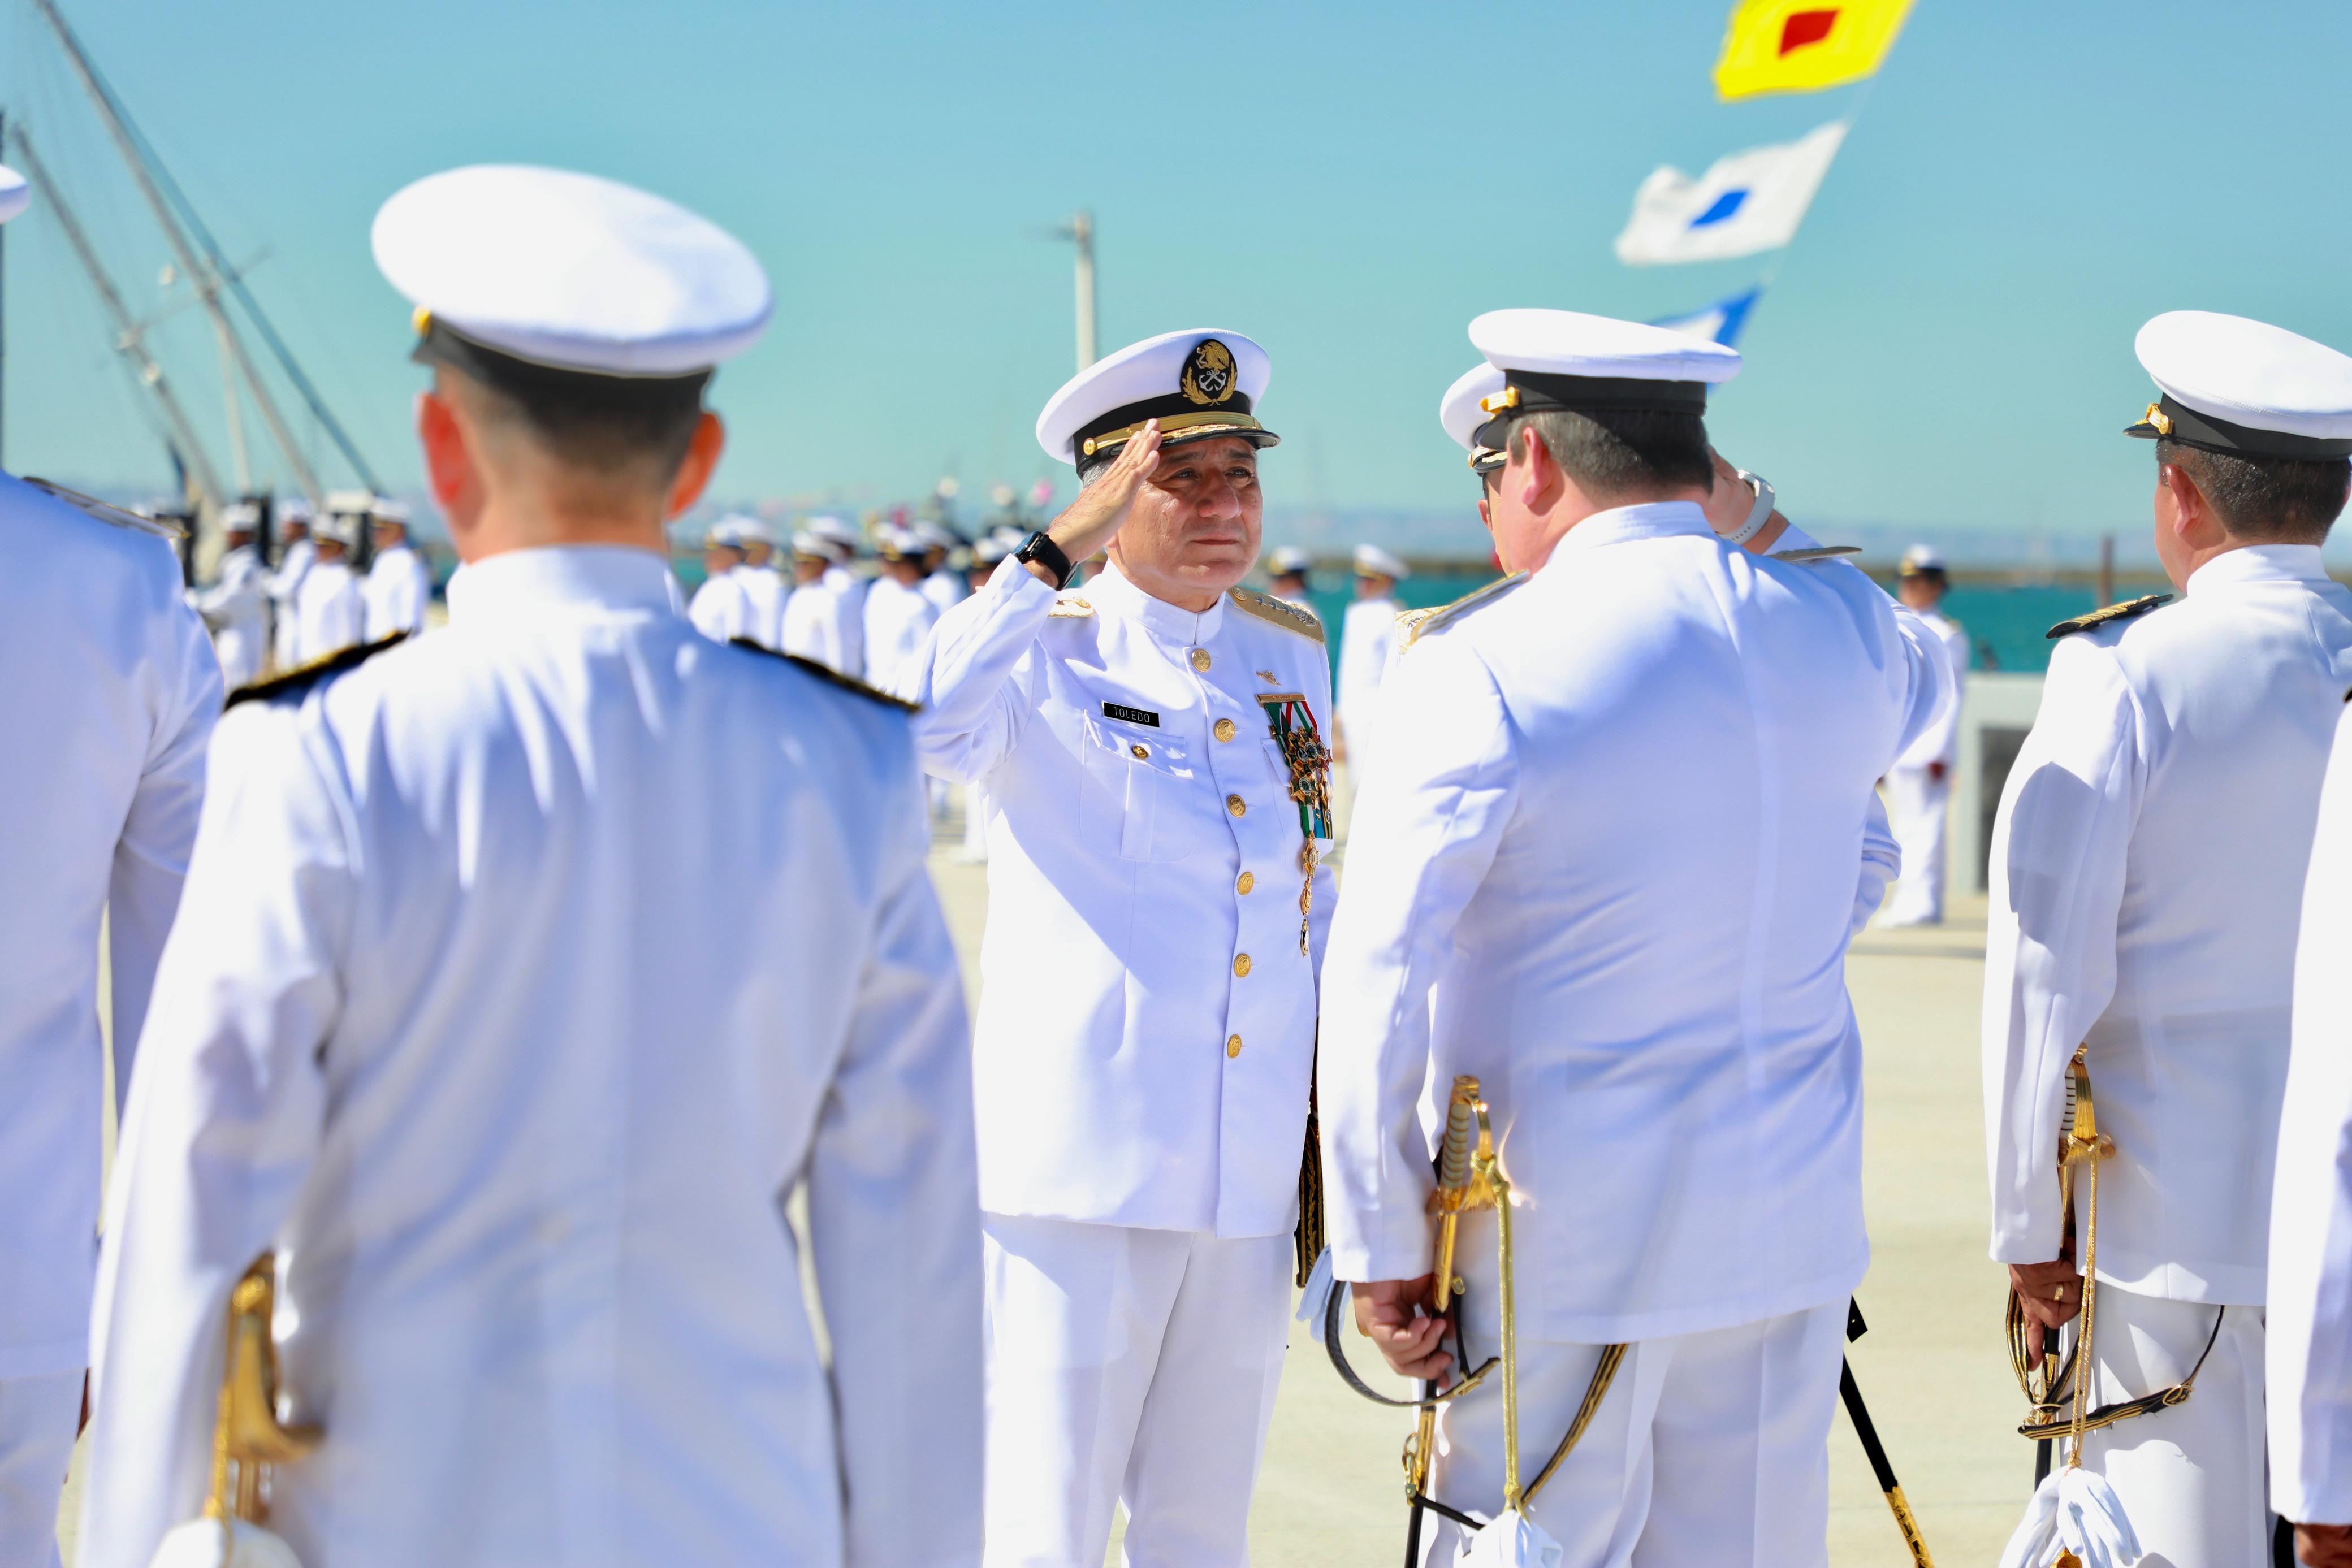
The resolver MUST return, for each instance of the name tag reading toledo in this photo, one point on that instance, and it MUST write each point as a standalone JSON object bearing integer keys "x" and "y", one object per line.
{"x": 1131, "y": 714}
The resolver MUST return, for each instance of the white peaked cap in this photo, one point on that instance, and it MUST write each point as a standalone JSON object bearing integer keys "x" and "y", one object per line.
{"x": 341, "y": 528}
{"x": 751, "y": 529}
{"x": 2274, "y": 394}
{"x": 934, "y": 536}
{"x": 891, "y": 541}
{"x": 1570, "y": 343}
{"x": 1371, "y": 561}
{"x": 727, "y": 533}
{"x": 240, "y": 515}
{"x": 388, "y": 509}
{"x": 1200, "y": 382}
{"x": 572, "y": 271}
{"x": 813, "y": 544}
{"x": 1921, "y": 557}
{"x": 839, "y": 532}
{"x": 354, "y": 503}
{"x": 16, "y": 193}
{"x": 294, "y": 509}
{"x": 989, "y": 551}
{"x": 1288, "y": 559}
{"x": 1458, "y": 410}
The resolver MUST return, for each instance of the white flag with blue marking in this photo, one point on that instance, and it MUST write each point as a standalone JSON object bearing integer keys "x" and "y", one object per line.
{"x": 1748, "y": 201}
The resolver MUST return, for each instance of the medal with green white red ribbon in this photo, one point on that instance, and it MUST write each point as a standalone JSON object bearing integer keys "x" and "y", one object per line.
{"x": 1308, "y": 761}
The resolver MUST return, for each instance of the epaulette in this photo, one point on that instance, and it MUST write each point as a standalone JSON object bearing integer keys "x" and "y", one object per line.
{"x": 1070, "y": 607}
{"x": 105, "y": 513}
{"x": 1265, "y": 607}
{"x": 1824, "y": 552}
{"x": 302, "y": 676}
{"x": 2124, "y": 611}
{"x": 832, "y": 676}
{"x": 1415, "y": 624}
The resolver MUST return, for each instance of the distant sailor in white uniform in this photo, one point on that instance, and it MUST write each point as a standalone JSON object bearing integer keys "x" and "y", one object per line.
{"x": 237, "y": 605}
{"x": 1156, "y": 911}
{"x": 1613, "y": 876}
{"x": 526, "y": 970}
{"x": 718, "y": 609}
{"x": 847, "y": 587}
{"x": 330, "y": 611}
{"x": 1367, "y": 636}
{"x": 2147, "y": 876}
{"x": 1286, "y": 570}
{"x": 2308, "y": 1311}
{"x": 899, "y": 612}
{"x": 399, "y": 584}
{"x": 114, "y": 697}
{"x": 764, "y": 587}
{"x": 812, "y": 626}
{"x": 1920, "y": 783}
{"x": 942, "y": 584}
{"x": 296, "y": 554}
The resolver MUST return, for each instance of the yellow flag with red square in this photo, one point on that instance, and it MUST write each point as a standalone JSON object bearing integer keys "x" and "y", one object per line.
{"x": 1804, "y": 45}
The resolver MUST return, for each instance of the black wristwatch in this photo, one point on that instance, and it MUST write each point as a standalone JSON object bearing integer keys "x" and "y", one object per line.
{"x": 1040, "y": 547}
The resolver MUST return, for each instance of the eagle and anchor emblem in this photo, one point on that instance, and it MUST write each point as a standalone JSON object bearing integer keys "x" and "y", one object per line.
{"x": 1208, "y": 375}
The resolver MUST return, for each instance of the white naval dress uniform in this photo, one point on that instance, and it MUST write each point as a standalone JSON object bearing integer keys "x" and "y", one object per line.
{"x": 1922, "y": 800}
{"x": 814, "y": 627}
{"x": 518, "y": 1087}
{"x": 286, "y": 595}
{"x": 1367, "y": 637}
{"x": 1142, "y": 1051}
{"x": 945, "y": 589}
{"x": 720, "y": 609}
{"x": 329, "y": 613}
{"x": 2147, "y": 874}
{"x": 1614, "y": 876}
{"x": 398, "y": 588}
{"x": 2310, "y": 1289}
{"x": 237, "y": 608}
{"x": 100, "y": 777}
{"x": 899, "y": 617}
{"x": 765, "y": 592}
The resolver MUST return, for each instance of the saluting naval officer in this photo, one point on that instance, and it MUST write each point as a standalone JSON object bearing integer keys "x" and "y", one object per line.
{"x": 2147, "y": 876}
{"x": 1613, "y": 877}
{"x": 2308, "y": 1307}
{"x": 1156, "y": 910}
{"x": 526, "y": 968}
{"x": 113, "y": 695}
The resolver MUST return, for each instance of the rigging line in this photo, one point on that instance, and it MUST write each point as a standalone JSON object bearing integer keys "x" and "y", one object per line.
{"x": 234, "y": 283}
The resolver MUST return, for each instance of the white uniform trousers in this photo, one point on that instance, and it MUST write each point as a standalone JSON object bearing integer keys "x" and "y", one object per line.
{"x": 1918, "y": 806}
{"x": 1128, "y": 1366}
{"x": 37, "y": 1420}
{"x": 1709, "y": 1448}
{"x": 2191, "y": 1479}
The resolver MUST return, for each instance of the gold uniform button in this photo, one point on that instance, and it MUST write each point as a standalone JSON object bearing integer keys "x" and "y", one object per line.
{"x": 1241, "y": 964}
{"x": 1248, "y": 880}
{"x": 1139, "y": 752}
{"x": 1224, "y": 729}
{"x": 1233, "y": 1047}
{"x": 1199, "y": 658}
{"x": 1236, "y": 805}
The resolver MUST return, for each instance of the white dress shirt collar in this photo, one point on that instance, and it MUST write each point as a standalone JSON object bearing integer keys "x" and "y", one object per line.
{"x": 1649, "y": 520}
{"x": 1168, "y": 622}
{"x": 605, "y": 577}
{"x": 2260, "y": 563}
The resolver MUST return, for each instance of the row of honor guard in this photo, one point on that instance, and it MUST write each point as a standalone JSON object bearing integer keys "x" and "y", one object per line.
{"x": 312, "y": 604}
{"x": 409, "y": 1062}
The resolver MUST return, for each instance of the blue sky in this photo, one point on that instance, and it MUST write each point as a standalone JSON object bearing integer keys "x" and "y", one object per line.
{"x": 1946, "y": 348}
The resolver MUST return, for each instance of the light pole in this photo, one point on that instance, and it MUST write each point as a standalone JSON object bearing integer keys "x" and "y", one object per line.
{"x": 1080, "y": 230}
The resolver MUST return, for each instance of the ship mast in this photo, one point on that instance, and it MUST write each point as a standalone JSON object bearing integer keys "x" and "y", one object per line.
{"x": 130, "y": 337}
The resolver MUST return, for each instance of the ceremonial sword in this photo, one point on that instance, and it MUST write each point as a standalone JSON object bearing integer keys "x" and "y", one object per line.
{"x": 1867, "y": 1430}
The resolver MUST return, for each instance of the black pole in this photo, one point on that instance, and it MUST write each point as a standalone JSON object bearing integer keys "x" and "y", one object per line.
{"x": 2043, "y": 1447}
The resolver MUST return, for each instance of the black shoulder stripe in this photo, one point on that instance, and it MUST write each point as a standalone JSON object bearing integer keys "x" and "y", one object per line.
{"x": 830, "y": 675}
{"x": 302, "y": 677}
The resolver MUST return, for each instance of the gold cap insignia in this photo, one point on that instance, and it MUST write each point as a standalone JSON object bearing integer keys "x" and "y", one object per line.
{"x": 2157, "y": 416}
{"x": 1208, "y": 376}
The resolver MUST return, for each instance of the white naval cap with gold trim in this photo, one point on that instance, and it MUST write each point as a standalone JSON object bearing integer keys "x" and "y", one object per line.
{"x": 16, "y": 193}
{"x": 1460, "y": 411}
{"x": 1206, "y": 382}
{"x": 568, "y": 272}
{"x": 2235, "y": 385}
{"x": 1567, "y": 359}
{"x": 1371, "y": 561}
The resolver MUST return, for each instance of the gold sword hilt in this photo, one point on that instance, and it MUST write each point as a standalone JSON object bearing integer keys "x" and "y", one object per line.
{"x": 247, "y": 1433}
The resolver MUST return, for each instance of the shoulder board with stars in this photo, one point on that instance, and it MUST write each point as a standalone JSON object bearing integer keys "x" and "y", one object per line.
{"x": 1265, "y": 607}
{"x": 104, "y": 513}
{"x": 303, "y": 677}
{"x": 1824, "y": 552}
{"x": 2124, "y": 611}
{"x": 1415, "y": 624}
{"x": 1070, "y": 607}
{"x": 830, "y": 675}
